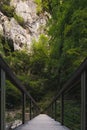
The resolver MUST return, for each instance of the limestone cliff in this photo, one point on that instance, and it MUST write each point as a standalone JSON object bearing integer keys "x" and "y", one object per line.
{"x": 33, "y": 24}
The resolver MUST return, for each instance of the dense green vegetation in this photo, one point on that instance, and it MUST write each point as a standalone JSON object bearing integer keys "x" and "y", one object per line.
{"x": 39, "y": 6}
{"x": 55, "y": 57}
{"x": 6, "y": 9}
{"x": 68, "y": 30}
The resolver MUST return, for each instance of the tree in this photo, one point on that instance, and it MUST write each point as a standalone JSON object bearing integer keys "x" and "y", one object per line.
{"x": 67, "y": 29}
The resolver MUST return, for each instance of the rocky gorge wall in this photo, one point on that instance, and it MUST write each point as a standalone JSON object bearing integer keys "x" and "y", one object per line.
{"x": 33, "y": 24}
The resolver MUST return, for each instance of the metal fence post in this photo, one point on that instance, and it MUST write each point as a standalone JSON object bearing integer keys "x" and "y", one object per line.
{"x": 49, "y": 111}
{"x": 83, "y": 101}
{"x": 62, "y": 109}
{"x": 30, "y": 109}
{"x": 23, "y": 108}
{"x": 52, "y": 110}
{"x": 2, "y": 100}
{"x": 55, "y": 109}
{"x": 33, "y": 111}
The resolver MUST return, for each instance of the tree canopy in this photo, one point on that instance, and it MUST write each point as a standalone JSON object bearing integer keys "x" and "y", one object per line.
{"x": 54, "y": 57}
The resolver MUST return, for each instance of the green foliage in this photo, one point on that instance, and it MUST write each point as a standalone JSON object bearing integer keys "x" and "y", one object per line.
{"x": 6, "y": 2}
{"x": 19, "y": 19}
{"x": 39, "y": 55}
{"x": 53, "y": 59}
{"x": 7, "y": 10}
{"x": 19, "y": 62}
{"x": 1, "y": 47}
{"x": 68, "y": 31}
{"x": 6, "y": 46}
{"x": 38, "y": 65}
{"x": 13, "y": 96}
{"x": 31, "y": 68}
{"x": 72, "y": 112}
{"x": 39, "y": 6}
{"x": 38, "y": 1}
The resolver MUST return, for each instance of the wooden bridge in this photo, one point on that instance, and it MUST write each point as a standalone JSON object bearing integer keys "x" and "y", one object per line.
{"x": 68, "y": 108}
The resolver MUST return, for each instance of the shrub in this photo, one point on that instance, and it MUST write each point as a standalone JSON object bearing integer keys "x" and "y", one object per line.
{"x": 7, "y": 2}
{"x": 39, "y": 6}
{"x": 1, "y": 46}
{"x": 7, "y": 10}
{"x": 19, "y": 19}
{"x": 13, "y": 96}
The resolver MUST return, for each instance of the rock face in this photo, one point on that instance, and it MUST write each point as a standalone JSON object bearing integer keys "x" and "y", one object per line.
{"x": 34, "y": 24}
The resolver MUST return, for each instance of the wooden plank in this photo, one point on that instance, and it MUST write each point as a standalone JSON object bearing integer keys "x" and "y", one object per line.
{"x": 2, "y": 100}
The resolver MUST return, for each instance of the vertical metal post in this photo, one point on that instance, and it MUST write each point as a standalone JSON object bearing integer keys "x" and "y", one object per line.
{"x": 23, "y": 108}
{"x": 2, "y": 100}
{"x": 55, "y": 109}
{"x": 33, "y": 111}
{"x": 30, "y": 109}
{"x": 52, "y": 110}
{"x": 36, "y": 112}
{"x": 49, "y": 111}
{"x": 86, "y": 100}
{"x": 62, "y": 109}
{"x": 83, "y": 100}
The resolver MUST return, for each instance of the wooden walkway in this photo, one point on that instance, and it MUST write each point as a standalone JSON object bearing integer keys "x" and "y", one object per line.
{"x": 42, "y": 122}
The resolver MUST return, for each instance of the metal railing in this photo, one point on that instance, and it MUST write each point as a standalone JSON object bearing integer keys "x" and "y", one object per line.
{"x": 6, "y": 72}
{"x": 70, "y": 105}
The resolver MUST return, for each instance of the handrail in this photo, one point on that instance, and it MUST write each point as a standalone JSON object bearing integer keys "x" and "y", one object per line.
{"x": 73, "y": 80}
{"x": 5, "y": 70}
{"x": 79, "y": 76}
{"x": 11, "y": 76}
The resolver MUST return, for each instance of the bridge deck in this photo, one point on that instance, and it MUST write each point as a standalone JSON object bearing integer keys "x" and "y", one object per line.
{"x": 42, "y": 122}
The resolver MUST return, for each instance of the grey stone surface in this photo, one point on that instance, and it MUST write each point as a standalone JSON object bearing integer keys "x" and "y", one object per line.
{"x": 42, "y": 122}
{"x": 33, "y": 24}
